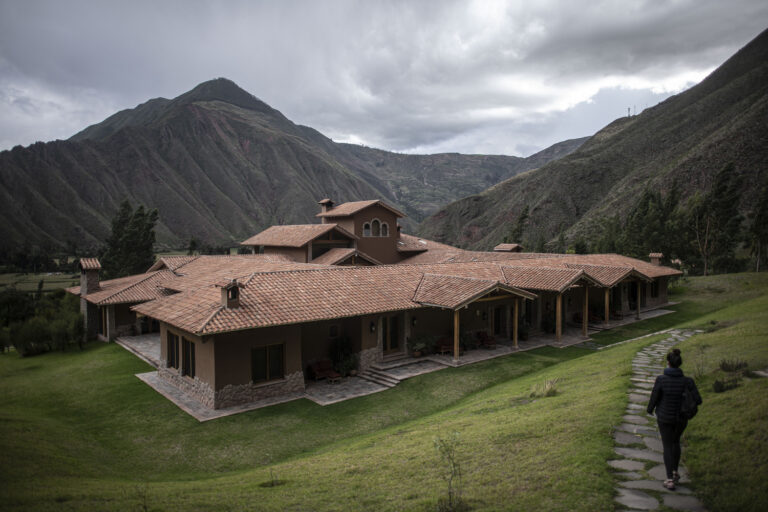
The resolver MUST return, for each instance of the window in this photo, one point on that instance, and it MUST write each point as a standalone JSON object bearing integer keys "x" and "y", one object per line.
{"x": 234, "y": 293}
{"x": 384, "y": 229}
{"x": 267, "y": 363}
{"x": 367, "y": 229}
{"x": 187, "y": 357}
{"x": 172, "y": 350}
{"x": 375, "y": 228}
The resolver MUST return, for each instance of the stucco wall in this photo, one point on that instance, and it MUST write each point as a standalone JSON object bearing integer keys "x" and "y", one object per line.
{"x": 204, "y": 354}
{"x": 381, "y": 248}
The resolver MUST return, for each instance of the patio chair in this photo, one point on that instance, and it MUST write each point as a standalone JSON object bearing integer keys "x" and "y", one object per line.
{"x": 323, "y": 369}
{"x": 486, "y": 340}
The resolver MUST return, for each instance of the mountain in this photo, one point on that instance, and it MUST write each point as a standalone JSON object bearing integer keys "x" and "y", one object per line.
{"x": 219, "y": 165}
{"x": 681, "y": 142}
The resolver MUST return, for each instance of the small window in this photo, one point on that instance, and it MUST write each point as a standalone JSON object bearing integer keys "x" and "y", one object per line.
{"x": 172, "y": 350}
{"x": 367, "y": 229}
{"x": 234, "y": 293}
{"x": 267, "y": 363}
{"x": 375, "y": 228}
{"x": 187, "y": 357}
{"x": 384, "y": 229}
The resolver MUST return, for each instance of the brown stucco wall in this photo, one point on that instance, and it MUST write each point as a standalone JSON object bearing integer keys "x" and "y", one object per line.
{"x": 204, "y": 353}
{"x": 233, "y": 352}
{"x": 381, "y": 248}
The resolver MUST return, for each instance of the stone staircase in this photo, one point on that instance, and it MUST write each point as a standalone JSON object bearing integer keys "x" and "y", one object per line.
{"x": 381, "y": 377}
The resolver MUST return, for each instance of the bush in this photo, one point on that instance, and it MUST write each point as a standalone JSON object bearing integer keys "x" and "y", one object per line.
{"x": 731, "y": 366}
{"x": 548, "y": 388}
{"x": 32, "y": 337}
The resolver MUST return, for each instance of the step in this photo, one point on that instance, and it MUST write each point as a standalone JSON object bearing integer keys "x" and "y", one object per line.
{"x": 376, "y": 378}
{"x": 394, "y": 362}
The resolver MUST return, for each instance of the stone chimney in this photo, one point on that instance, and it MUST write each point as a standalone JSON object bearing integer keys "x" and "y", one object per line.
{"x": 230, "y": 294}
{"x": 89, "y": 275}
{"x": 655, "y": 258}
{"x": 325, "y": 205}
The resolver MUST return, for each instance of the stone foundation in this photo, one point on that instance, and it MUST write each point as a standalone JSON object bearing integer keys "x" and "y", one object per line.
{"x": 368, "y": 357}
{"x": 246, "y": 393}
{"x": 195, "y": 388}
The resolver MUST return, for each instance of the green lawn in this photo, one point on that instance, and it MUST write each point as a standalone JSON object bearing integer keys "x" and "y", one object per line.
{"x": 78, "y": 431}
{"x": 29, "y": 282}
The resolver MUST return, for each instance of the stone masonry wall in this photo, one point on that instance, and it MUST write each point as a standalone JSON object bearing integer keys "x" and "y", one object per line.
{"x": 196, "y": 388}
{"x": 368, "y": 357}
{"x": 246, "y": 393}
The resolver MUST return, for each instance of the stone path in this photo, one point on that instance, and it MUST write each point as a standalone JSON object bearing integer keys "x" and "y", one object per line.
{"x": 639, "y": 464}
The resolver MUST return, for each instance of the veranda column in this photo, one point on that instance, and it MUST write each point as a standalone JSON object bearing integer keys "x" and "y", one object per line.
{"x": 585, "y": 318}
{"x": 637, "y": 311}
{"x": 456, "y": 336}
{"x": 607, "y": 305}
{"x": 514, "y": 323}
{"x": 559, "y": 317}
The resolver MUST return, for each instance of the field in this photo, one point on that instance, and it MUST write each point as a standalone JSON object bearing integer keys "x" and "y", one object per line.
{"x": 29, "y": 282}
{"x": 78, "y": 431}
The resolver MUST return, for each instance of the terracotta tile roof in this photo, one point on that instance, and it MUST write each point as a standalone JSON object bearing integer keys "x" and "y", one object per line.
{"x": 129, "y": 289}
{"x": 171, "y": 262}
{"x": 295, "y": 235}
{"x": 337, "y": 255}
{"x": 347, "y": 209}
{"x": 508, "y": 247}
{"x": 542, "y": 278}
{"x": 454, "y": 292}
{"x": 606, "y": 276}
{"x": 656, "y": 255}
{"x": 410, "y": 243}
{"x": 89, "y": 264}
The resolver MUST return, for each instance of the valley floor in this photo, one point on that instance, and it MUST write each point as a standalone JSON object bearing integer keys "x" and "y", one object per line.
{"x": 78, "y": 431}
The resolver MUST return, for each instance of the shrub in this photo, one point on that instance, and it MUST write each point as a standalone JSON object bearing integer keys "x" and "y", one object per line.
{"x": 731, "y": 366}
{"x": 32, "y": 337}
{"x": 547, "y": 388}
{"x": 450, "y": 471}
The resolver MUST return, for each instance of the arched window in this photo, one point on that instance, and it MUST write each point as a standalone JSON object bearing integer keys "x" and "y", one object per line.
{"x": 384, "y": 229}
{"x": 366, "y": 229}
{"x": 375, "y": 228}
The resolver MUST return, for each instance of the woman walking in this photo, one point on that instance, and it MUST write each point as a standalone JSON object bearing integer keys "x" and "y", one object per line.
{"x": 667, "y": 400}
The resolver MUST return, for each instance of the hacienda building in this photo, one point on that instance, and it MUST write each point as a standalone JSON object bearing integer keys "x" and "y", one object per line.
{"x": 237, "y": 329}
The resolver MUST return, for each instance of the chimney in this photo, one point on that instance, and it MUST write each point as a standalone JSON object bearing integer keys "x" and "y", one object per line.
{"x": 656, "y": 258}
{"x": 230, "y": 294}
{"x": 89, "y": 275}
{"x": 325, "y": 205}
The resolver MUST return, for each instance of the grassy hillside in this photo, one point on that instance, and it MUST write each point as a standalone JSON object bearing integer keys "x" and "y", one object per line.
{"x": 219, "y": 165}
{"x": 682, "y": 142}
{"x": 79, "y": 432}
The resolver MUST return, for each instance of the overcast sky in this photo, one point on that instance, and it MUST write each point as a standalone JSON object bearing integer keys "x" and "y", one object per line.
{"x": 420, "y": 76}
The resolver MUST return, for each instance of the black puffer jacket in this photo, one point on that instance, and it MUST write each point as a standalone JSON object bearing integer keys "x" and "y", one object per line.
{"x": 667, "y": 394}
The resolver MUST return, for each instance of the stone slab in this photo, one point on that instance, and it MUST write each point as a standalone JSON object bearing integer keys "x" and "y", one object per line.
{"x": 678, "y": 502}
{"x": 629, "y": 475}
{"x": 634, "y": 418}
{"x": 637, "y": 429}
{"x": 638, "y": 398}
{"x": 653, "y": 444}
{"x": 660, "y": 473}
{"x": 626, "y": 438}
{"x": 636, "y": 453}
{"x": 636, "y": 499}
{"x": 652, "y": 485}
{"x": 626, "y": 465}
{"x": 636, "y": 407}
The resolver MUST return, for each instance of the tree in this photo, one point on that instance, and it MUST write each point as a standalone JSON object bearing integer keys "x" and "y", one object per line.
{"x": 714, "y": 223}
{"x": 757, "y": 232}
{"x": 130, "y": 246}
{"x": 193, "y": 246}
{"x": 516, "y": 234}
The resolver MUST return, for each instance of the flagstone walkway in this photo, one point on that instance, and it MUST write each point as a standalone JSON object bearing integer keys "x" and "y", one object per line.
{"x": 640, "y": 463}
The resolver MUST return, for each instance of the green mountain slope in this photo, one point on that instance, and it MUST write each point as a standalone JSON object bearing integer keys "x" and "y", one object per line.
{"x": 220, "y": 165}
{"x": 681, "y": 142}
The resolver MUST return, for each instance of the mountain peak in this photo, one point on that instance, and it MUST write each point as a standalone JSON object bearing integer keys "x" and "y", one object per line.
{"x": 223, "y": 89}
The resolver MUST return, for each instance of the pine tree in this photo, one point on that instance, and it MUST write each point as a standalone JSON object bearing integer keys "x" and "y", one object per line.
{"x": 130, "y": 246}
{"x": 757, "y": 232}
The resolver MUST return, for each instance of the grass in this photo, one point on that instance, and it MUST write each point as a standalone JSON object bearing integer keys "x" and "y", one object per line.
{"x": 29, "y": 282}
{"x": 79, "y": 432}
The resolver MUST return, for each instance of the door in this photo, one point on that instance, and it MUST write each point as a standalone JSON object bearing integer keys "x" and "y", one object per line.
{"x": 390, "y": 334}
{"x": 499, "y": 321}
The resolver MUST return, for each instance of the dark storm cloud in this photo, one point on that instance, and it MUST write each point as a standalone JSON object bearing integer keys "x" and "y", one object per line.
{"x": 485, "y": 76}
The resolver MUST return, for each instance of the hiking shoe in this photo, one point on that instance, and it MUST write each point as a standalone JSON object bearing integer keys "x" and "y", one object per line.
{"x": 675, "y": 476}
{"x": 669, "y": 484}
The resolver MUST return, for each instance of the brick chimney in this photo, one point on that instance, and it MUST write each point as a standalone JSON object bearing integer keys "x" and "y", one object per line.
{"x": 230, "y": 293}
{"x": 89, "y": 275}
{"x": 655, "y": 258}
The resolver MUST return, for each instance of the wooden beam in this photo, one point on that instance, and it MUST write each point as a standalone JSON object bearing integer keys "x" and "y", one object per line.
{"x": 607, "y": 305}
{"x": 514, "y": 323}
{"x": 585, "y": 314}
{"x": 456, "y": 336}
{"x": 637, "y": 311}
{"x": 559, "y": 317}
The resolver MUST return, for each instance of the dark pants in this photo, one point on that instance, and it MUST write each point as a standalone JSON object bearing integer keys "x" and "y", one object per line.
{"x": 670, "y": 439}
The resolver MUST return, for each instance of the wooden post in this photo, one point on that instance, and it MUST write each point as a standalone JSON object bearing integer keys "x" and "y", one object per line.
{"x": 456, "y": 336}
{"x": 559, "y": 317}
{"x": 585, "y": 319}
{"x": 514, "y": 323}
{"x": 637, "y": 311}
{"x": 607, "y": 305}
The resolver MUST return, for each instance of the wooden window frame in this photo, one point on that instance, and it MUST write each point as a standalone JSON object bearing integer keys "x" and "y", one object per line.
{"x": 187, "y": 358}
{"x": 270, "y": 375}
{"x": 172, "y": 350}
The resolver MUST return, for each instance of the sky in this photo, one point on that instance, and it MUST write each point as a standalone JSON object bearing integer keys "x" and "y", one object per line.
{"x": 486, "y": 76}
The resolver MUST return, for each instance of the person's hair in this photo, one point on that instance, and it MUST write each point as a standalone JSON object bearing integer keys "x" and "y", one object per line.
{"x": 674, "y": 359}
